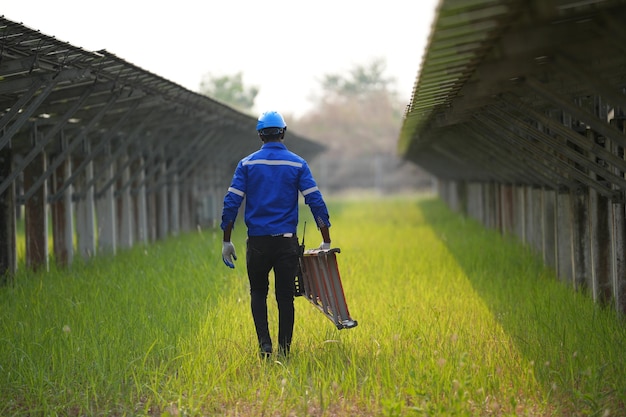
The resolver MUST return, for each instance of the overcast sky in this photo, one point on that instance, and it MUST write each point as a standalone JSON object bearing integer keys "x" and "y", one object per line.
{"x": 283, "y": 47}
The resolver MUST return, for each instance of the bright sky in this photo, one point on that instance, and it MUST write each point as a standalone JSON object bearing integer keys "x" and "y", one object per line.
{"x": 284, "y": 47}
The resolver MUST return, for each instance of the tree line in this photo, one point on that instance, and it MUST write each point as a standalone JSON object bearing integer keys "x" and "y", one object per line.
{"x": 356, "y": 115}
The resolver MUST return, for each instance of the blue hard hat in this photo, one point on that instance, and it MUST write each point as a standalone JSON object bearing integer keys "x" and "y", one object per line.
{"x": 270, "y": 119}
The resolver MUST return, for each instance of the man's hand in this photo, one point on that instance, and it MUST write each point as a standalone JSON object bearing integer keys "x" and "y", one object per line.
{"x": 325, "y": 246}
{"x": 228, "y": 254}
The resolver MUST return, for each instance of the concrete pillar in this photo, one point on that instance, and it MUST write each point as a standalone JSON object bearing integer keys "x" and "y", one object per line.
{"x": 125, "y": 213}
{"x": 519, "y": 224}
{"x": 619, "y": 257}
{"x": 185, "y": 207}
{"x": 549, "y": 227}
{"x": 85, "y": 212}
{"x": 216, "y": 195}
{"x": 152, "y": 210}
{"x": 600, "y": 218}
{"x": 600, "y": 243}
{"x": 619, "y": 231}
{"x": 36, "y": 215}
{"x": 453, "y": 195}
{"x": 63, "y": 216}
{"x": 528, "y": 216}
{"x": 162, "y": 204}
{"x": 444, "y": 194}
{"x": 105, "y": 210}
{"x": 496, "y": 220}
{"x": 461, "y": 187}
{"x": 536, "y": 219}
{"x": 141, "y": 218}
{"x": 489, "y": 198}
{"x": 470, "y": 206}
{"x": 482, "y": 190}
{"x": 475, "y": 201}
{"x": 564, "y": 237}
{"x": 8, "y": 245}
{"x": 174, "y": 206}
{"x": 581, "y": 248}
{"x": 507, "y": 208}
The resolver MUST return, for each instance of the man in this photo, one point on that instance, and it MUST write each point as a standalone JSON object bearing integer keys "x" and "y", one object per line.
{"x": 270, "y": 180}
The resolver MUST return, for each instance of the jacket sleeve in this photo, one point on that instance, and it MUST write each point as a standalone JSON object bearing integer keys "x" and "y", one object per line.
{"x": 234, "y": 196}
{"x": 313, "y": 197}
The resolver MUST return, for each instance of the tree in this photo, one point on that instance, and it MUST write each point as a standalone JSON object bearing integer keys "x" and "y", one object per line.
{"x": 358, "y": 113}
{"x": 362, "y": 81}
{"x": 358, "y": 117}
{"x": 230, "y": 90}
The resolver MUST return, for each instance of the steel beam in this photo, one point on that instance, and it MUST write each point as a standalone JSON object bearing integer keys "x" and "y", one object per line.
{"x": 546, "y": 139}
{"x": 25, "y": 114}
{"x": 515, "y": 163}
{"x": 65, "y": 154}
{"x": 564, "y": 150}
{"x": 41, "y": 144}
{"x": 565, "y": 132}
{"x": 577, "y": 112}
{"x": 14, "y": 111}
{"x": 534, "y": 152}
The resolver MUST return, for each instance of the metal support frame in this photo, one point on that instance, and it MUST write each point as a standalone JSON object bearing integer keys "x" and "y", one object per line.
{"x": 567, "y": 133}
{"x": 209, "y": 141}
{"x": 175, "y": 164}
{"x": 41, "y": 144}
{"x": 479, "y": 157}
{"x": 499, "y": 137}
{"x": 146, "y": 171}
{"x": 516, "y": 166}
{"x": 162, "y": 139}
{"x": 567, "y": 65}
{"x": 15, "y": 109}
{"x": 579, "y": 113}
{"x": 26, "y": 113}
{"x": 504, "y": 122}
{"x": 109, "y": 160}
{"x": 532, "y": 150}
{"x": 94, "y": 153}
{"x": 556, "y": 145}
{"x": 135, "y": 156}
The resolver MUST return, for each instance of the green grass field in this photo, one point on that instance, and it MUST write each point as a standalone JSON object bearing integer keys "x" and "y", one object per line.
{"x": 454, "y": 320}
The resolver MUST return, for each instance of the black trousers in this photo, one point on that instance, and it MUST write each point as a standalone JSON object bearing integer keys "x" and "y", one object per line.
{"x": 264, "y": 253}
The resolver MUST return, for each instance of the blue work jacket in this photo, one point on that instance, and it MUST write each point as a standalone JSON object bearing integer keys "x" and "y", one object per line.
{"x": 270, "y": 180}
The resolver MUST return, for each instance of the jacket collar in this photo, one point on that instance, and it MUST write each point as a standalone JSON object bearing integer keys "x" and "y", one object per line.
{"x": 274, "y": 145}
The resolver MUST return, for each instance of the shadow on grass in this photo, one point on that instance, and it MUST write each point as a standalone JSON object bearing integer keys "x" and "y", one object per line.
{"x": 576, "y": 346}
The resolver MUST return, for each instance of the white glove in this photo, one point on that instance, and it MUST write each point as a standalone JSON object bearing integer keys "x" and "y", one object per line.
{"x": 325, "y": 246}
{"x": 228, "y": 254}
